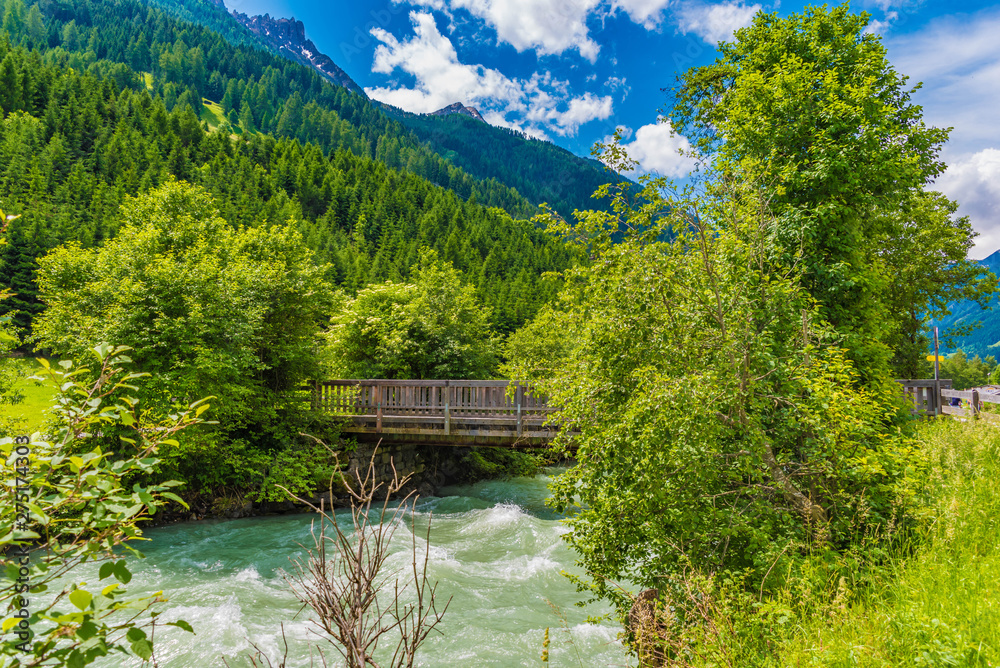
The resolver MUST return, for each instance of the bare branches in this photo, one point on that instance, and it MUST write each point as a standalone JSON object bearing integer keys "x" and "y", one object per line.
{"x": 343, "y": 577}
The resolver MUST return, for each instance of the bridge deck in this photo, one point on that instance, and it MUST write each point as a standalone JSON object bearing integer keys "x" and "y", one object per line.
{"x": 440, "y": 412}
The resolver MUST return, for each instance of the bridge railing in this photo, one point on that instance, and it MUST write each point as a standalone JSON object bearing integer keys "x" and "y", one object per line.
{"x": 921, "y": 395}
{"x": 470, "y": 398}
{"x": 483, "y": 403}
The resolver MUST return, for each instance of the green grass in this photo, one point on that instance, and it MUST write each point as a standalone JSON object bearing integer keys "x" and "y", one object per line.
{"x": 31, "y": 412}
{"x": 939, "y": 606}
{"x": 212, "y": 113}
{"x": 932, "y": 601}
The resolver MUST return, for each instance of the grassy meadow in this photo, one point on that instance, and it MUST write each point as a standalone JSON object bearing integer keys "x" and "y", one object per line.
{"x": 37, "y": 398}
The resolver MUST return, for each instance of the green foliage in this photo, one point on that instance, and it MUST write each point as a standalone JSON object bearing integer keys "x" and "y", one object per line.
{"x": 302, "y": 468}
{"x": 208, "y": 310}
{"x": 809, "y": 110}
{"x": 120, "y": 38}
{"x": 927, "y": 253}
{"x": 67, "y": 502}
{"x": 933, "y": 603}
{"x": 364, "y": 218}
{"x": 431, "y": 328}
{"x": 495, "y": 463}
{"x": 9, "y": 372}
{"x": 719, "y": 425}
{"x": 539, "y": 170}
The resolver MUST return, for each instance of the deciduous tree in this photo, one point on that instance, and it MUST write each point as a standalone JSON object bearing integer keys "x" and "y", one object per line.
{"x": 810, "y": 109}
{"x": 431, "y": 328}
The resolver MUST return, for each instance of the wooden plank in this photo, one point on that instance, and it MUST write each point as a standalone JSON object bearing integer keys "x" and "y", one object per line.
{"x": 965, "y": 395}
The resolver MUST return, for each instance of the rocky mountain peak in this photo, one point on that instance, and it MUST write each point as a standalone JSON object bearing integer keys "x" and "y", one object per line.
{"x": 288, "y": 38}
{"x": 459, "y": 108}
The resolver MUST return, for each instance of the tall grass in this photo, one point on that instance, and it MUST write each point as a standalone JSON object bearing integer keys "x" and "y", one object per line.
{"x": 938, "y": 603}
{"x": 933, "y": 600}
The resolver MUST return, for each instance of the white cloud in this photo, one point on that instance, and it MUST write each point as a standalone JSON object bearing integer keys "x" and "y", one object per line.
{"x": 537, "y": 105}
{"x": 975, "y": 183}
{"x": 615, "y": 84}
{"x": 657, "y": 150}
{"x": 958, "y": 60}
{"x": 881, "y": 27}
{"x": 548, "y": 27}
{"x": 646, "y": 13}
{"x": 714, "y": 22}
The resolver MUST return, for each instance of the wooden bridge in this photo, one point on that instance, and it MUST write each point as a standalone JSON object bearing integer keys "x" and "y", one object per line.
{"x": 490, "y": 412}
{"x": 437, "y": 412}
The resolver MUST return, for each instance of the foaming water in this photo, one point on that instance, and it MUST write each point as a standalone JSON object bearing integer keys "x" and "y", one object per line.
{"x": 495, "y": 550}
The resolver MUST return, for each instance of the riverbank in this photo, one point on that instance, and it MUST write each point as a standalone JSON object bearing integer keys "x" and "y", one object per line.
{"x": 936, "y": 601}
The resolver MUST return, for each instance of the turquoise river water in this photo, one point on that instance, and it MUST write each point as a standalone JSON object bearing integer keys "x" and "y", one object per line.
{"x": 495, "y": 549}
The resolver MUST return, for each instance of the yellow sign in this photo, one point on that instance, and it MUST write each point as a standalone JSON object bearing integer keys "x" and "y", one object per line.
{"x": 940, "y": 358}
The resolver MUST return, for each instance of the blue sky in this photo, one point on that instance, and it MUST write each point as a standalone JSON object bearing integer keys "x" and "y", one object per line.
{"x": 571, "y": 71}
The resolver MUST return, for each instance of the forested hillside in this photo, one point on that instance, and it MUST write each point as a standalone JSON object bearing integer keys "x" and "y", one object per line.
{"x": 538, "y": 170}
{"x": 258, "y": 91}
{"x": 80, "y": 133}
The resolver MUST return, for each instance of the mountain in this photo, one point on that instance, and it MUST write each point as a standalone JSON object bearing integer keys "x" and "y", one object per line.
{"x": 83, "y": 128}
{"x": 537, "y": 169}
{"x": 459, "y": 108}
{"x": 985, "y": 340}
{"x": 512, "y": 170}
{"x": 287, "y": 37}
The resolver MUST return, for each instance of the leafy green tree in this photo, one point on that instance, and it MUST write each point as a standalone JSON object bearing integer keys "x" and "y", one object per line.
{"x": 927, "y": 252}
{"x": 207, "y": 309}
{"x": 431, "y": 328}
{"x": 67, "y": 503}
{"x": 718, "y": 425}
{"x": 810, "y": 110}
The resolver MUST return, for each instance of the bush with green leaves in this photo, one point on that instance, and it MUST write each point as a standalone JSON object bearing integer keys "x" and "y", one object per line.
{"x": 208, "y": 310}
{"x": 68, "y": 503}
{"x": 431, "y": 328}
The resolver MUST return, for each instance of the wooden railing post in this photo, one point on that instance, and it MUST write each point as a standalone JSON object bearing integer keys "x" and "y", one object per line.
{"x": 520, "y": 419}
{"x": 975, "y": 404}
{"x": 447, "y": 409}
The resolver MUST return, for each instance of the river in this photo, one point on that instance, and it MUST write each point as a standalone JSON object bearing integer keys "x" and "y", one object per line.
{"x": 495, "y": 549}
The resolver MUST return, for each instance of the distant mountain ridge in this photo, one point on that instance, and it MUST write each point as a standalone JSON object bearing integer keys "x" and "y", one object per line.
{"x": 501, "y": 159}
{"x": 288, "y": 38}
